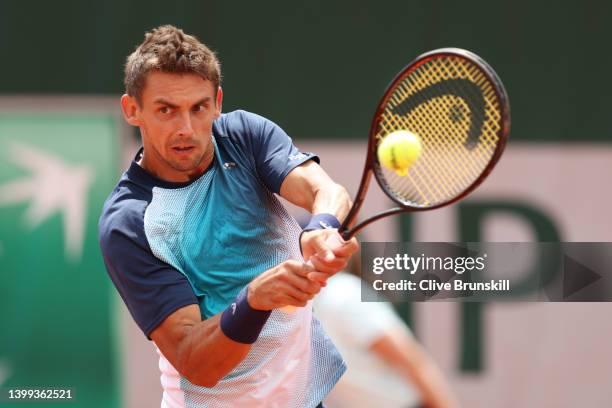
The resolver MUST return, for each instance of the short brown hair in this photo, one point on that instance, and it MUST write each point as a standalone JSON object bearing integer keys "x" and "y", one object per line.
{"x": 169, "y": 49}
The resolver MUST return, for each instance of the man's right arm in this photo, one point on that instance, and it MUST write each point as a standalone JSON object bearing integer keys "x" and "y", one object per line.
{"x": 198, "y": 349}
{"x": 201, "y": 351}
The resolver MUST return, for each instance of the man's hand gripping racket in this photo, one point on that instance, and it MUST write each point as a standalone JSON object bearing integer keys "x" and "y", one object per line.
{"x": 438, "y": 131}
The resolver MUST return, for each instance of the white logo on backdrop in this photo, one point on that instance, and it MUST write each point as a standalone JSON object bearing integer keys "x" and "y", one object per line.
{"x": 52, "y": 186}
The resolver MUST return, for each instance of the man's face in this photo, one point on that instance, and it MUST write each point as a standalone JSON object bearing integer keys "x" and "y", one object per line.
{"x": 175, "y": 117}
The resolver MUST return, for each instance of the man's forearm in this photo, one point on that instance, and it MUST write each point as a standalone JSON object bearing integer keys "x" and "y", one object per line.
{"x": 332, "y": 199}
{"x": 205, "y": 354}
{"x": 309, "y": 187}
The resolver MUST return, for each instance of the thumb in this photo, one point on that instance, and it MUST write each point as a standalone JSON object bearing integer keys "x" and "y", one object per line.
{"x": 321, "y": 248}
{"x": 335, "y": 241}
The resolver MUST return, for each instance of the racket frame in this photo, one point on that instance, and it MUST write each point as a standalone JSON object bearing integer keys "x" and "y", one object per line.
{"x": 372, "y": 163}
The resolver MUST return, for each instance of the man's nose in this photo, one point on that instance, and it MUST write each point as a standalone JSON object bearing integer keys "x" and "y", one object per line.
{"x": 186, "y": 125}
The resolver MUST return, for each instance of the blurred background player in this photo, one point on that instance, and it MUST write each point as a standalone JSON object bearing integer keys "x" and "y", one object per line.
{"x": 387, "y": 367}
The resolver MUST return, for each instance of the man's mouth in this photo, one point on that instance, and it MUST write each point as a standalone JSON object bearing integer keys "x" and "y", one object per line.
{"x": 183, "y": 149}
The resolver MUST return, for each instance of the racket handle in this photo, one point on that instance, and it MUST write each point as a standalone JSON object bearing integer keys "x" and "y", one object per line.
{"x": 333, "y": 242}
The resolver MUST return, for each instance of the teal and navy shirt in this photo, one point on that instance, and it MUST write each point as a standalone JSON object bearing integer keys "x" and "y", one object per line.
{"x": 167, "y": 245}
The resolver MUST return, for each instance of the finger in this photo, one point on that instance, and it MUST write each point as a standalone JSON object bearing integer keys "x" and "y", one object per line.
{"x": 347, "y": 249}
{"x": 338, "y": 262}
{"x": 319, "y": 277}
{"x": 308, "y": 286}
{"x": 297, "y": 286}
{"x": 334, "y": 240}
{"x": 294, "y": 293}
{"x": 298, "y": 303}
{"x": 292, "y": 301}
{"x": 296, "y": 268}
{"x": 328, "y": 267}
{"x": 303, "y": 284}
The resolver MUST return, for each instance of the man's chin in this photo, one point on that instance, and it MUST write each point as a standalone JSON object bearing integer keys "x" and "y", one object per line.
{"x": 186, "y": 164}
{"x": 183, "y": 166}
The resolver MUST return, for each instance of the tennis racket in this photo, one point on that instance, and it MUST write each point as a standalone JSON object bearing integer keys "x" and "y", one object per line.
{"x": 458, "y": 107}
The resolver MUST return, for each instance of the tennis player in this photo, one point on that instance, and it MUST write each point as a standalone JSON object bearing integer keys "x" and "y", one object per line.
{"x": 201, "y": 251}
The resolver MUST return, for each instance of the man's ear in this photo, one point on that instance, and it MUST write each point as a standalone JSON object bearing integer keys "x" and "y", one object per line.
{"x": 130, "y": 109}
{"x": 219, "y": 102}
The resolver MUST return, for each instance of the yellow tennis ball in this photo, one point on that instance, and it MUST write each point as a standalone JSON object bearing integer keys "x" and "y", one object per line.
{"x": 399, "y": 150}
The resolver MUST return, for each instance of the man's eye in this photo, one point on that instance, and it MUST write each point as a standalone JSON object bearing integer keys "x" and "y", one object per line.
{"x": 198, "y": 108}
{"x": 164, "y": 110}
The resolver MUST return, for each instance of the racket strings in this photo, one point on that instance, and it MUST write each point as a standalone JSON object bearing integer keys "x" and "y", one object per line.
{"x": 416, "y": 180}
{"x": 403, "y": 92}
{"x": 457, "y": 117}
{"x": 442, "y": 168}
{"x": 429, "y": 163}
{"x": 432, "y": 166}
{"x": 435, "y": 112}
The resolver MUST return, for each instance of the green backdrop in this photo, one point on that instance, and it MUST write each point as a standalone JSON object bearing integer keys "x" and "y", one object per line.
{"x": 55, "y": 297}
{"x": 319, "y": 67}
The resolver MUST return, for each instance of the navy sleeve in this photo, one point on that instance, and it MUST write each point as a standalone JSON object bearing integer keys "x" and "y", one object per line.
{"x": 274, "y": 152}
{"x": 150, "y": 288}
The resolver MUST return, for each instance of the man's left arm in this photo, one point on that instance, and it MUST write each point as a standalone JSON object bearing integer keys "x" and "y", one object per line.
{"x": 308, "y": 186}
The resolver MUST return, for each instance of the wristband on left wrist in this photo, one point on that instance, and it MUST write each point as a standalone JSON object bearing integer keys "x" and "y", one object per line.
{"x": 317, "y": 222}
{"x": 322, "y": 221}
